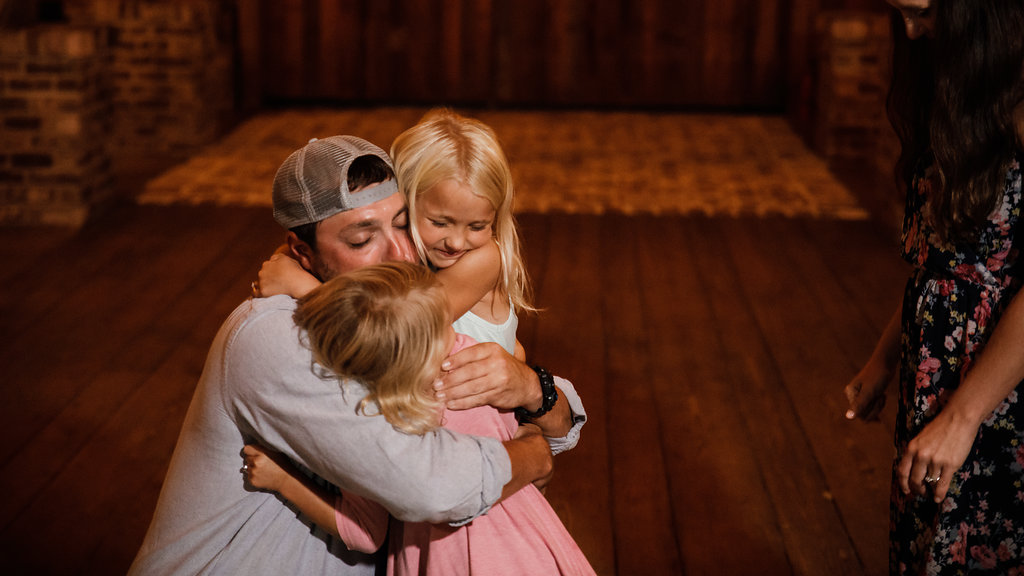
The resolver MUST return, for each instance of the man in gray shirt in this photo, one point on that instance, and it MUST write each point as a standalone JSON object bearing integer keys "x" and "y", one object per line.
{"x": 260, "y": 386}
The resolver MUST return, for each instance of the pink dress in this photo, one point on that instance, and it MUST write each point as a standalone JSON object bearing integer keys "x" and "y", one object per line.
{"x": 519, "y": 535}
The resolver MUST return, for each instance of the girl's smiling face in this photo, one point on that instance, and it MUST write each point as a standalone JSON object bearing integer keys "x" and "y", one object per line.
{"x": 451, "y": 221}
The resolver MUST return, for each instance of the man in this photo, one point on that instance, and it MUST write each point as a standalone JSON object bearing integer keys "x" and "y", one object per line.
{"x": 339, "y": 200}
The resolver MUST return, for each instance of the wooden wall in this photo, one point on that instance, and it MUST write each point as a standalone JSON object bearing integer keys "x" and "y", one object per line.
{"x": 691, "y": 54}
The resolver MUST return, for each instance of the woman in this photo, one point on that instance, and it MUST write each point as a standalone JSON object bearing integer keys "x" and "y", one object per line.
{"x": 956, "y": 98}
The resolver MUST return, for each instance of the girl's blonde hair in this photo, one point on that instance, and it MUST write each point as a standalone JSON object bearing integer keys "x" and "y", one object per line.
{"x": 447, "y": 146}
{"x": 384, "y": 325}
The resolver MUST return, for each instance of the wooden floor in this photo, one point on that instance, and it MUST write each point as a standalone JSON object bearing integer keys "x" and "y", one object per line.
{"x": 710, "y": 353}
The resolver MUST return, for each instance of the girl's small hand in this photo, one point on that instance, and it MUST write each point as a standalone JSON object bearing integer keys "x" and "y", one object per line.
{"x": 262, "y": 470}
{"x": 282, "y": 274}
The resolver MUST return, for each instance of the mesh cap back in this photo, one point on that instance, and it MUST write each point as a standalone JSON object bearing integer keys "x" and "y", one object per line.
{"x": 312, "y": 183}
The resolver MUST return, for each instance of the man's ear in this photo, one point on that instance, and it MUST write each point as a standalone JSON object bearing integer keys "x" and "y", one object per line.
{"x": 300, "y": 251}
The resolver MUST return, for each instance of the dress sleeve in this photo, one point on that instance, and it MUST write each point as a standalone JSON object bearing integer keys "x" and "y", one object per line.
{"x": 273, "y": 392}
{"x": 362, "y": 523}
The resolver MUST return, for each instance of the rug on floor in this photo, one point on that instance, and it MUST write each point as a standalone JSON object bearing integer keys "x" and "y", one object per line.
{"x": 579, "y": 162}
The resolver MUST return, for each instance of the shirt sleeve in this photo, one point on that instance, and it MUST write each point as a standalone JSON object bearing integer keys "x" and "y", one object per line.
{"x": 362, "y": 524}
{"x": 280, "y": 399}
{"x": 579, "y": 417}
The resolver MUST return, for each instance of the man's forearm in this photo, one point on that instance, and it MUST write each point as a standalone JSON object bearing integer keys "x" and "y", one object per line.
{"x": 558, "y": 421}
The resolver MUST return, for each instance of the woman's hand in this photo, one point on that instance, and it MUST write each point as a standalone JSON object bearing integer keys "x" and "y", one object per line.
{"x": 935, "y": 455}
{"x": 866, "y": 392}
{"x": 282, "y": 274}
{"x": 263, "y": 471}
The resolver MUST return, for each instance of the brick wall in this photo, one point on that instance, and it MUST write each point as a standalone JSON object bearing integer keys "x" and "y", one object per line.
{"x": 171, "y": 77}
{"x": 852, "y": 82}
{"x": 56, "y": 113}
{"x": 121, "y": 91}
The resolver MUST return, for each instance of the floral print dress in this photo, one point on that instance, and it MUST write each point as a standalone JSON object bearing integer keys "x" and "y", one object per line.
{"x": 951, "y": 305}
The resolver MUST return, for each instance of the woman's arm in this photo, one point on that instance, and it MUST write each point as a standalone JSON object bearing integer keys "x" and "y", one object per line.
{"x": 943, "y": 445}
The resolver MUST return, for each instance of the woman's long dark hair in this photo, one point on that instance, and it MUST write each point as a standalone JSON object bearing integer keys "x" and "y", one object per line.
{"x": 954, "y": 96}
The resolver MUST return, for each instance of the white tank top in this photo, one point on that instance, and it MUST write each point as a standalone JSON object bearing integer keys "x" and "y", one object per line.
{"x": 481, "y": 330}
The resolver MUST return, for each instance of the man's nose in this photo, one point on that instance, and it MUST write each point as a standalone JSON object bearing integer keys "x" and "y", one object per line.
{"x": 400, "y": 248}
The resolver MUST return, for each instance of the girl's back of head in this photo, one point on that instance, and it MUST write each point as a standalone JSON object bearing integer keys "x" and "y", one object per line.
{"x": 386, "y": 326}
{"x": 447, "y": 146}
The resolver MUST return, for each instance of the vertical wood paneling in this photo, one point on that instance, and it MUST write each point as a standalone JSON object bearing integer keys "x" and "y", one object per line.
{"x": 380, "y": 31}
{"x": 417, "y": 54}
{"x": 451, "y": 48}
{"x": 606, "y": 51}
{"x": 478, "y": 58}
{"x": 340, "y": 74}
{"x": 723, "y": 62}
{"x": 521, "y": 32}
{"x": 282, "y": 49}
{"x": 682, "y": 42}
{"x": 725, "y": 54}
{"x": 765, "y": 54}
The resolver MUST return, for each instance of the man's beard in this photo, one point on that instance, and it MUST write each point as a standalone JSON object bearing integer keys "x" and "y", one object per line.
{"x": 321, "y": 269}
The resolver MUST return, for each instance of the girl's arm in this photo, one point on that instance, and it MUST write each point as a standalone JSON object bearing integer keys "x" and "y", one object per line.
{"x": 471, "y": 278}
{"x": 520, "y": 351}
{"x": 282, "y": 274}
{"x": 360, "y": 523}
{"x": 943, "y": 445}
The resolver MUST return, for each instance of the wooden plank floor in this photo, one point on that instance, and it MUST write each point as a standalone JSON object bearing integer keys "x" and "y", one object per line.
{"x": 711, "y": 354}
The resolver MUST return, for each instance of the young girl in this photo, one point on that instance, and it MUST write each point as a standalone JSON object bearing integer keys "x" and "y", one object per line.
{"x": 388, "y": 326}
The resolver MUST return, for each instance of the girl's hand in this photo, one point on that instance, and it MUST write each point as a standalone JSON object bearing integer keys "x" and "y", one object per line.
{"x": 526, "y": 429}
{"x": 935, "y": 455}
{"x": 262, "y": 470}
{"x": 866, "y": 392}
{"x": 282, "y": 274}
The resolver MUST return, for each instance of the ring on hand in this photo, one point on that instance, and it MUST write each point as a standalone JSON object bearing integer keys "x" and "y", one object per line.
{"x": 931, "y": 480}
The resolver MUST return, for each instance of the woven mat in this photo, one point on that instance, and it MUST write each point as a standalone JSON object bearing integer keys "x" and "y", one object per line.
{"x": 572, "y": 162}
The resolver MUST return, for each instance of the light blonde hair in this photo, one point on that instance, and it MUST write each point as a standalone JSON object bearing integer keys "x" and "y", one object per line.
{"x": 447, "y": 146}
{"x": 384, "y": 325}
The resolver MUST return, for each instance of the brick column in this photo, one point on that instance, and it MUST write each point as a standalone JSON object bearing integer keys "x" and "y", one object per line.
{"x": 55, "y": 116}
{"x": 853, "y": 74}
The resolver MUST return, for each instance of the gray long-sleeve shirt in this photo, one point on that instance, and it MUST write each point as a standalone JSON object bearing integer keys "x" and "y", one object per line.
{"x": 259, "y": 386}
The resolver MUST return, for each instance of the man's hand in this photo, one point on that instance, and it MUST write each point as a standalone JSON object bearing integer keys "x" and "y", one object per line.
{"x": 486, "y": 375}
